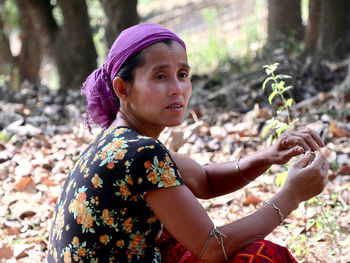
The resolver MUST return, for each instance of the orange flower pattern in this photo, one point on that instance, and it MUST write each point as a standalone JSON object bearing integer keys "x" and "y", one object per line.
{"x": 101, "y": 215}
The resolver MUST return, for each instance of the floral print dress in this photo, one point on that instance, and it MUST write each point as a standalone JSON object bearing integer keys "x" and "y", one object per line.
{"x": 101, "y": 215}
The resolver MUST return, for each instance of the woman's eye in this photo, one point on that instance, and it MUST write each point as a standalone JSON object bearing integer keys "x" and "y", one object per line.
{"x": 183, "y": 74}
{"x": 160, "y": 76}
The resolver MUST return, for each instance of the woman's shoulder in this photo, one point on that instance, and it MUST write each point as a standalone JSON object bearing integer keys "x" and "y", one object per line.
{"x": 131, "y": 139}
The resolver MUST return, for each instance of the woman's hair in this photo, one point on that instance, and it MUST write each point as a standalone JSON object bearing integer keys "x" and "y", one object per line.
{"x": 123, "y": 58}
{"x": 126, "y": 71}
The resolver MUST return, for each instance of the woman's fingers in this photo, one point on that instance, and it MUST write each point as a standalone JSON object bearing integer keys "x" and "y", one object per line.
{"x": 305, "y": 160}
{"x": 315, "y": 136}
{"x": 308, "y": 139}
{"x": 291, "y": 140}
{"x": 308, "y": 177}
{"x": 319, "y": 161}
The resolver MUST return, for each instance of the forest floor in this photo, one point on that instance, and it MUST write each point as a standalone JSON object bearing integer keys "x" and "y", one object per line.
{"x": 40, "y": 138}
{"x": 42, "y": 134}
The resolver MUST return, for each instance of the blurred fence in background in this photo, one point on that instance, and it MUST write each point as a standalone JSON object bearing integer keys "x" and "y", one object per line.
{"x": 215, "y": 30}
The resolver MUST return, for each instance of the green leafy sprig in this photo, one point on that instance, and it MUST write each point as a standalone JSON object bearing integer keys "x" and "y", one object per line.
{"x": 278, "y": 88}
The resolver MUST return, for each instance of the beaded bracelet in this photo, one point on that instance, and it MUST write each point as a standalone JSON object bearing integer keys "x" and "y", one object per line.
{"x": 275, "y": 207}
{"x": 238, "y": 170}
{"x": 214, "y": 232}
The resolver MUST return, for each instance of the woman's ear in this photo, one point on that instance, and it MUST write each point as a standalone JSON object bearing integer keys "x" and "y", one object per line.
{"x": 120, "y": 88}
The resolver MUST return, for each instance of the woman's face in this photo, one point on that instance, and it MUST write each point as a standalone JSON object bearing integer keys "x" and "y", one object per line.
{"x": 161, "y": 88}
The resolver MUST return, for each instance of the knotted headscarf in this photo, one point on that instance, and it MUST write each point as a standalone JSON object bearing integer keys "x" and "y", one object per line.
{"x": 102, "y": 105}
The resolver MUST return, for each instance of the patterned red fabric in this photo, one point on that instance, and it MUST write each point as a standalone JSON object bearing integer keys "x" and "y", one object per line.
{"x": 260, "y": 251}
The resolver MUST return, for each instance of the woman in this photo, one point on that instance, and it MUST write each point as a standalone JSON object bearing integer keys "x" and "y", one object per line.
{"x": 127, "y": 188}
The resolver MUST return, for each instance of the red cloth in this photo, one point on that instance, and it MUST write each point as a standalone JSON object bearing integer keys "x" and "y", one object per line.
{"x": 260, "y": 251}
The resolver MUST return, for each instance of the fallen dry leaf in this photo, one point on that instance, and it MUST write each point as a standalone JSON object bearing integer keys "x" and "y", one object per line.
{"x": 6, "y": 252}
{"x": 25, "y": 184}
{"x": 48, "y": 182}
{"x": 338, "y": 131}
{"x": 13, "y": 231}
{"x": 251, "y": 199}
{"x": 21, "y": 250}
{"x": 344, "y": 169}
{"x": 53, "y": 200}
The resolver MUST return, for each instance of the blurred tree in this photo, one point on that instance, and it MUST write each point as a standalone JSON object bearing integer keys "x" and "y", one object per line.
{"x": 121, "y": 14}
{"x": 312, "y": 26}
{"x": 6, "y": 58}
{"x": 70, "y": 44}
{"x": 60, "y": 29}
{"x": 284, "y": 20}
{"x": 327, "y": 32}
{"x": 333, "y": 28}
{"x": 68, "y": 41}
{"x": 29, "y": 59}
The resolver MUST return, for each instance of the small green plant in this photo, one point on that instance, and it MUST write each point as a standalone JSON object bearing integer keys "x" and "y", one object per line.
{"x": 3, "y": 79}
{"x": 16, "y": 79}
{"x": 4, "y": 137}
{"x": 298, "y": 244}
{"x": 323, "y": 225}
{"x": 277, "y": 125}
{"x": 325, "y": 220}
{"x": 282, "y": 121}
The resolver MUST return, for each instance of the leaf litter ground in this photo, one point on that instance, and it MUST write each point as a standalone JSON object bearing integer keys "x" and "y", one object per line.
{"x": 35, "y": 163}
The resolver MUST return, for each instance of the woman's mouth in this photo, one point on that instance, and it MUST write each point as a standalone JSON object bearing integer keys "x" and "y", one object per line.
{"x": 174, "y": 107}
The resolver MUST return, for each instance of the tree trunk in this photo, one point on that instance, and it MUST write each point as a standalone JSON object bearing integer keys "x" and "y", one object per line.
{"x": 6, "y": 58}
{"x": 74, "y": 49}
{"x": 121, "y": 14}
{"x": 312, "y": 25}
{"x": 71, "y": 45}
{"x": 284, "y": 20}
{"x": 29, "y": 59}
{"x": 333, "y": 28}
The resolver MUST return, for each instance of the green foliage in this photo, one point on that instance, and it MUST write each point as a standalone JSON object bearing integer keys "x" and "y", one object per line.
{"x": 304, "y": 11}
{"x": 97, "y": 22}
{"x": 57, "y": 12}
{"x": 16, "y": 82}
{"x": 206, "y": 58}
{"x": 281, "y": 178}
{"x": 322, "y": 227}
{"x": 3, "y": 79}
{"x": 275, "y": 125}
{"x": 219, "y": 48}
{"x": 9, "y": 15}
{"x": 292, "y": 45}
{"x": 145, "y": 1}
{"x": 4, "y": 137}
{"x": 297, "y": 243}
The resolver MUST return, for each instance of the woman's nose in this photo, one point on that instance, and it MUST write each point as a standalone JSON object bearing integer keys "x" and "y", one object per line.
{"x": 176, "y": 88}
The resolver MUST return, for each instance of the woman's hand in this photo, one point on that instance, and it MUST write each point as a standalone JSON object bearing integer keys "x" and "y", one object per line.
{"x": 307, "y": 177}
{"x": 293, "y": 143}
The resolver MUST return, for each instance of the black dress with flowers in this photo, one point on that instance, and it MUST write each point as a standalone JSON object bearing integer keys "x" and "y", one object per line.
{"x": 101, "y": 215}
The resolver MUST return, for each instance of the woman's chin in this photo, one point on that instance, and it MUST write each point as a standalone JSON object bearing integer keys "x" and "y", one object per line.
{"x": 174, "y": 123}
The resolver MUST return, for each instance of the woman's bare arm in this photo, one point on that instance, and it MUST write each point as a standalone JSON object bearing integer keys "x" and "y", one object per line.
{"x": 218, "y": 179}
{"x": 184, "y": 217}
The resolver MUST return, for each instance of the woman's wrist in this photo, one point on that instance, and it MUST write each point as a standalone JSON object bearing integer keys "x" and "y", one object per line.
{"x": 265, "y": 157}
{"x": 269, "y": 155}
{"x": 288, "y": 198}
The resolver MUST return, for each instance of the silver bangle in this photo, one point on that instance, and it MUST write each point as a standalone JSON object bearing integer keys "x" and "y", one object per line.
{"x": 238, "y": 170}
{"x": 275, "y": 207}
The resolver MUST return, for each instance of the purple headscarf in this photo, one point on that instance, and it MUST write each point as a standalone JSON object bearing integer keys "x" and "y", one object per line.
{"x": 101, "y": 101}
